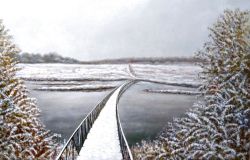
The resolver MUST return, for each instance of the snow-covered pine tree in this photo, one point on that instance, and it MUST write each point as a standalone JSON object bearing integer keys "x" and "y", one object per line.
{"x": 227, "y": 79}
{"x": 217, "y": 127}
{"x": 22, "y": 135}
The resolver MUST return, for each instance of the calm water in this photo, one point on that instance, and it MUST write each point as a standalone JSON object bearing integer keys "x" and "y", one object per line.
{"x": 142, "y": 114}
{"x": 62, "y": 112}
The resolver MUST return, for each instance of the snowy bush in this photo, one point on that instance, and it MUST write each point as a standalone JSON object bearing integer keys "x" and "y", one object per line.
{"x": 218, "y": 126}
{"x": 22, "y": 135}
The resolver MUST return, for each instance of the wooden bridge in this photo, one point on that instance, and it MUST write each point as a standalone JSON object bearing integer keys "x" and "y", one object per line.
{"x": 100, "y": 135}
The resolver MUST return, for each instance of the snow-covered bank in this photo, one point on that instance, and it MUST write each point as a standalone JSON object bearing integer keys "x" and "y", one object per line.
{"x": 172, "y": 91}
{"x": 76, "y": 88}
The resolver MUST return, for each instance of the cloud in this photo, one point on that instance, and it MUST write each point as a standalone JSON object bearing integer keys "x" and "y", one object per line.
{"x": 97, "y": 29}
{"x": 163, "y": 28}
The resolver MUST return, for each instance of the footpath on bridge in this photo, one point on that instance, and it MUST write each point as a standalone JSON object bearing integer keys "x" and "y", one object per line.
{"x": 102, "y": 142}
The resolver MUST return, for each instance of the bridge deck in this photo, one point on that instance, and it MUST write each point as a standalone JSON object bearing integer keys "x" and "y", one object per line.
{"x": 102, "y": 142}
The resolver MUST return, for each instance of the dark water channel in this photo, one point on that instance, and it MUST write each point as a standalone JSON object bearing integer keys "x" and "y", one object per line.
{"x": 143, "y": 114}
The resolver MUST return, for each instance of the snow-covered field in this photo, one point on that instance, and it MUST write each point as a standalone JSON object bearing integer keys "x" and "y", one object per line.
{"x": 77, "y": 77}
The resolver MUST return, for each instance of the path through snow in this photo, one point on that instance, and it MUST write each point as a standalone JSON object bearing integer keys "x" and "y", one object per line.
{"x": 102, "y": 142}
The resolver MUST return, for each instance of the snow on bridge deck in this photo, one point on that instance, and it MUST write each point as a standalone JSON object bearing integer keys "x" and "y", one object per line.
{"x": 102, "y": 142}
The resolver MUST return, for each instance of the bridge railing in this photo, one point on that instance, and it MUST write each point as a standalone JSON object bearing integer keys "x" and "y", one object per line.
{"x": 125, "y": 150}
{"x": 72, "y": 148}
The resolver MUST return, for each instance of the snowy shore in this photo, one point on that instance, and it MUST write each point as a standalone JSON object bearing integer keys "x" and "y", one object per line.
{"x": 75, "y": 77}
{"x": 173, "y": 91}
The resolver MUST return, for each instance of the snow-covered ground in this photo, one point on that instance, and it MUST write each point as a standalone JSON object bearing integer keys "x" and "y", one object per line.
{"x": 77, "y": 77}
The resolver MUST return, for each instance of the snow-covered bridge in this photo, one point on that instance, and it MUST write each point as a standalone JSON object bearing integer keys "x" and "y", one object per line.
{"x": 100, "y": 135}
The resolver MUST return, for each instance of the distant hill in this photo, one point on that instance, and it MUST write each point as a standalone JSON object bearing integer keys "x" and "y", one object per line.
{"x": 56, "y": 58}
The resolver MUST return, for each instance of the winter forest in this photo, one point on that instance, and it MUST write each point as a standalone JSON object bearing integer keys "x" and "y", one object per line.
{"x": 146, "y": 107}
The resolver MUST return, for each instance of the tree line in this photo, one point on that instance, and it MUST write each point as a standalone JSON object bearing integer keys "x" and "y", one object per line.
{"x": 54, "y": 57}
{"x": 51, "y": 57}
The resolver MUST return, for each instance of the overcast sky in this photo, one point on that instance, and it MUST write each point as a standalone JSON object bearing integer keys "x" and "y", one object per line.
{"x": 100, "y": 29}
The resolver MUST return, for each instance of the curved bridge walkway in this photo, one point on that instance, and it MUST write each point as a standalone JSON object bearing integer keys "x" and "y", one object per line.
{"x": 102, "y": 141}
{"x": 100, "y": 135}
